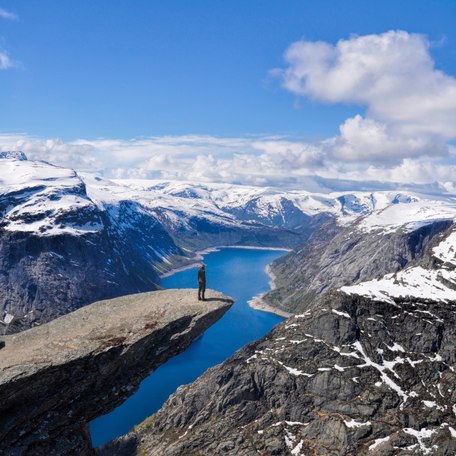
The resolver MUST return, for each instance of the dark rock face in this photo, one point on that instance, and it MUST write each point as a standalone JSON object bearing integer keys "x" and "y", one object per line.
{"x": 43, "y": 277}
{"x": 60, "y": 251}
{"x": 334, "y": 257}
{"x": 57, "y": 377}
{"x": 348, "y": 376}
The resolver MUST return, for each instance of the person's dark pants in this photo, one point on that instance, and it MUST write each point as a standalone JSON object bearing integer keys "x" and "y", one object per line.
{"x": 201, "y": 291}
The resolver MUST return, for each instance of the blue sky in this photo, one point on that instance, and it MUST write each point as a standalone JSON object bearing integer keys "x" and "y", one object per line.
{"x": 78, "y": 71}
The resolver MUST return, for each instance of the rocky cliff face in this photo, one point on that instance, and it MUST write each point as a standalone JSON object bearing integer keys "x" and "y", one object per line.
{"x": 350, "y": 375}
{"x": 336, "y": 256}
{"x": 57, "y": 377}
{"x": 42, "y": 278}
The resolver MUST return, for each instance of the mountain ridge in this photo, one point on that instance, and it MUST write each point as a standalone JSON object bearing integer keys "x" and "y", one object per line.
{"x": 128, "y": 233}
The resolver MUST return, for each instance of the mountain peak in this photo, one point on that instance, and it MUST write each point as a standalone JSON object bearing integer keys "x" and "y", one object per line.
{"x": 14, "y": 154}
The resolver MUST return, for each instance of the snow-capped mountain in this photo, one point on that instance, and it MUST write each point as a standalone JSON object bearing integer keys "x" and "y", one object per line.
{"x": 69, "y": 238}
{"x": 48, "y": 200}
{"x": 59, "y": 250}
{"x": 43, "y": 199}
{"x": 396, "y": 234}
{"x": 194, "y": 223}
{"x": 434, "y": 279}
{"x": 292, "y": 209}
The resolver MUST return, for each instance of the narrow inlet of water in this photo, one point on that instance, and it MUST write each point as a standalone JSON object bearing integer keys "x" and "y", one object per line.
{"x": 239, "y": 273}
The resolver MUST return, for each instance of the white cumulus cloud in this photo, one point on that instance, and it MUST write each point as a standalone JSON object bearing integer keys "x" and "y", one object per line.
{"x": 265, "y": 160}
{"x": 54, "y": 150}
{"x": 410, "y": 105}
{"x": 367, "y": 139}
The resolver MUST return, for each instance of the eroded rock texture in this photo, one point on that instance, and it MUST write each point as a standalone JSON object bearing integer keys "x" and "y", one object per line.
{"x": 57, "y": 377}
{"x": 347, "y": 376}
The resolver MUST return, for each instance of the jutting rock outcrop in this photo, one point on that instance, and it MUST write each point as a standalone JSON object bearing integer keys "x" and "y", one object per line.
{"x": 57, "y": 377}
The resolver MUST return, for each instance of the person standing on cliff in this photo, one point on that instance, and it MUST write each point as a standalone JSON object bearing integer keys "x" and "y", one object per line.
{"x": 201, "y": 282}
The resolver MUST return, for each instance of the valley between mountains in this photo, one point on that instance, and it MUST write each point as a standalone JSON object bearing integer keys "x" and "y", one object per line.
{"x": 365, "y": 364}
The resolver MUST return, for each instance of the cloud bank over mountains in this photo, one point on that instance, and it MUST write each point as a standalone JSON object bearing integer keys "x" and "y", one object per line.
{"x": 403, "y": 133}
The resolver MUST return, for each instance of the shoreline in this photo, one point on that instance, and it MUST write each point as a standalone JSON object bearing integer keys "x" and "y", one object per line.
{"x": 258, "y": 303}
{"x": 200, "y": 253}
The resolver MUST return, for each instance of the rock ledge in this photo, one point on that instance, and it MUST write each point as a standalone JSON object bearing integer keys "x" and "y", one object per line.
{"x": 57, "y": 377}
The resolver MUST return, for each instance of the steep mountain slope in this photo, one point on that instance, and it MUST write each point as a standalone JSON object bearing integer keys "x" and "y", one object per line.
{"x": 366, "y": 370}
{"x": 384, "y": 241}
{"x": 434, "y": 278}
{"x": 60, "y": 251}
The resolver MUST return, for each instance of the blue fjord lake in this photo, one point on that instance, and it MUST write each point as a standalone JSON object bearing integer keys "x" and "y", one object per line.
{"x": 239, "y": 273}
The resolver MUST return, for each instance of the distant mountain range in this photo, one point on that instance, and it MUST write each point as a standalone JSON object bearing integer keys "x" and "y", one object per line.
{"x": 68, "y": 238}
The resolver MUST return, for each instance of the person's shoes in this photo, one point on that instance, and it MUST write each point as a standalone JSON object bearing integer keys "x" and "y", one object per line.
{"x": 199, "y": 299}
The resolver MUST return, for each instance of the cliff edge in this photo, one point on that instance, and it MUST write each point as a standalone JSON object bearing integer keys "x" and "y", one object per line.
{"x": 57, "y": 377}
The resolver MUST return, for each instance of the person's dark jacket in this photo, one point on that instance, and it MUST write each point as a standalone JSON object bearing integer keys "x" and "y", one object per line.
{"x": 201, "y": 276}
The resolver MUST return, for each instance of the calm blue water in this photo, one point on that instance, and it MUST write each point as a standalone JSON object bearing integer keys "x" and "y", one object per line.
{"x": 238, "y": 273}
